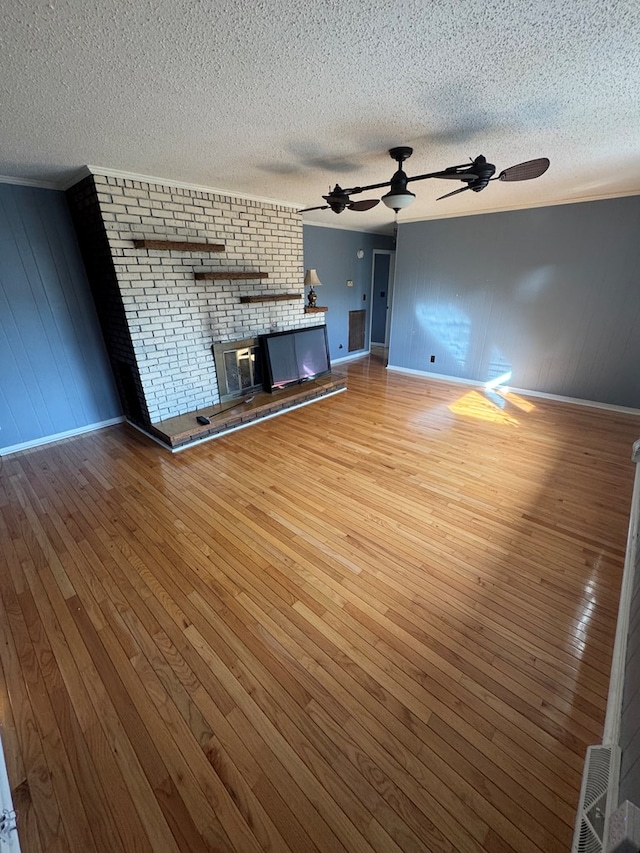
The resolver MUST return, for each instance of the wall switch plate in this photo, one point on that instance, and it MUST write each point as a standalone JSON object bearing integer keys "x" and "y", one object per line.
{"x": 349, "y": 282}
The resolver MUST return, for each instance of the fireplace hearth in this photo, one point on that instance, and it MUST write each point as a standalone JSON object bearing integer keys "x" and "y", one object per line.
{"x": 185, "y": 430}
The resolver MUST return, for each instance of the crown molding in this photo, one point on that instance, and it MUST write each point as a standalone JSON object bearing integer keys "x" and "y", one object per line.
{"x": 405, "y": 220}
{"x": 511, "y": 208}
{"x": 385, "y": 230}
{"x": 27, "y": 182}
{"x": 168, "y": 182}
{"x": 77, "y": 176}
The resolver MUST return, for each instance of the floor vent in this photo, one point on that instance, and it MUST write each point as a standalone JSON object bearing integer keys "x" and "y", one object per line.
{"x": 596, "y": 799}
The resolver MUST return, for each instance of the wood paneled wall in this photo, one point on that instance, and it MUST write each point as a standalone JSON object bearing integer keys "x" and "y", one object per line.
{"x": 54, "y": 373}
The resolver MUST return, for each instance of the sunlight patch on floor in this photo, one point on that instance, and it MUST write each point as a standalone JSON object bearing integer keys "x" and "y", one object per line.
{"x": 473, "y": 404}
{"x": 516, "y": 400}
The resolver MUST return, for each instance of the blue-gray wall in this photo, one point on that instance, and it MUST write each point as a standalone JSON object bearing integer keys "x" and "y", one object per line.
{"x": 54, "y": 373}
{"x": 333, "y": 253}
{"x": 551, "y": 294}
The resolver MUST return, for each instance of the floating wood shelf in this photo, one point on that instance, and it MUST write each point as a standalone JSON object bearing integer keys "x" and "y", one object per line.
{"x": 179, "y": 245}
{"x": 229, "y": 274}
{"x": 270, "y": 297}
{"x": 316, "y": 309}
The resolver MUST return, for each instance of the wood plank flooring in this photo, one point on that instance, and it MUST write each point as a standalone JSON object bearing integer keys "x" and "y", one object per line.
{"x": 382, "y": 622}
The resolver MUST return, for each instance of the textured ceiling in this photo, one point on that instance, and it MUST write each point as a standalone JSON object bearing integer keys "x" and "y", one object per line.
{"x": 282, "y": 98}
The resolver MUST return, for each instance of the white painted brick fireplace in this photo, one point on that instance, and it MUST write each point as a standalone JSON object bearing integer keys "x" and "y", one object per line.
{"x": 172, "y": 319}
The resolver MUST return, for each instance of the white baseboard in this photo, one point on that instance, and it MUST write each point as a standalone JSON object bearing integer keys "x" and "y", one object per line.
{"x": 427, "y": 374}
{"x": 47, "y": 439}
{"x": 350, "y": 357}
{"x": 576, "y": 401}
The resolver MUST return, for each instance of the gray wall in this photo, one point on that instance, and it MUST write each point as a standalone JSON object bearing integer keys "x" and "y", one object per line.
{"x": 333, "y": 252}
{"x": 552, "y": 294}
{"x": 54, "y": 374}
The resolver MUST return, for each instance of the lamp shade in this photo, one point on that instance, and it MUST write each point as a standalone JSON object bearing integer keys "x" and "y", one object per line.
{"x": 398, "y": 200}
{"x": 398, "y": 196}
{"x": 311, "y": 277}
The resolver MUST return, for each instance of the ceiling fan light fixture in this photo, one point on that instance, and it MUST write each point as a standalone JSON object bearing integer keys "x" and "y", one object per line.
{"x": 399, "y": 196}
{"x": 398, "y": 200}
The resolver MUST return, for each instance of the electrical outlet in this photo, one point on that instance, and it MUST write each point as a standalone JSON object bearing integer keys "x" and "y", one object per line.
{"x": 349, "y": 282}
{"x": 432, "y": 359}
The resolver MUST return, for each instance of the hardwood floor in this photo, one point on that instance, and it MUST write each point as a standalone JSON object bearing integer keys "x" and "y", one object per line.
{"x": 381, "y": 622}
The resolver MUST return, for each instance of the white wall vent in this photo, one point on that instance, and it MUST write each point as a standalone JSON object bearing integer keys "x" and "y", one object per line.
{"x": 597, "y": 799}
{"x": 8, "y": 830}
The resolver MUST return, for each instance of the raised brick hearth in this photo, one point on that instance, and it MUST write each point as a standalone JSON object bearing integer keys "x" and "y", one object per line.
{"x": 179, "y": 432}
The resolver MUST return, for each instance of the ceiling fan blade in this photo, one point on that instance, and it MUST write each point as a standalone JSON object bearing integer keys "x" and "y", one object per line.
{"x": 365, "y": 204}
{"x": 456, "y": 176}
{"x": 525, "y": 171}
{"x": 307, "y": 209}
{"x": 455, "y": 192}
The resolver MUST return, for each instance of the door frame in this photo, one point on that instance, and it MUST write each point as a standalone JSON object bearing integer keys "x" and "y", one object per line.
{"x": 392, "y": 270}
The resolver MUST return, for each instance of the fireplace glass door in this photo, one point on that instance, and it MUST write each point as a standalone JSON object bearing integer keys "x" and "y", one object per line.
{"x": 239, "y": 368}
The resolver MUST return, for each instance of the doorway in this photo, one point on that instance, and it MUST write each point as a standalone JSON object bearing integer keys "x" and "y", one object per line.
{"x": 381, "y": 296}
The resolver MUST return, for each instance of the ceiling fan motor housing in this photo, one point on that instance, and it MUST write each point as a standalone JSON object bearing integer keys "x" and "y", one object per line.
{"x": 485, "y": 171}
{"x": 337, "y": 199}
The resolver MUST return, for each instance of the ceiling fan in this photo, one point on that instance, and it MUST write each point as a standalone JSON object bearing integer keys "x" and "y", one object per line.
{"x": 476, "y": 176}
{"x": 338, "y": 200}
